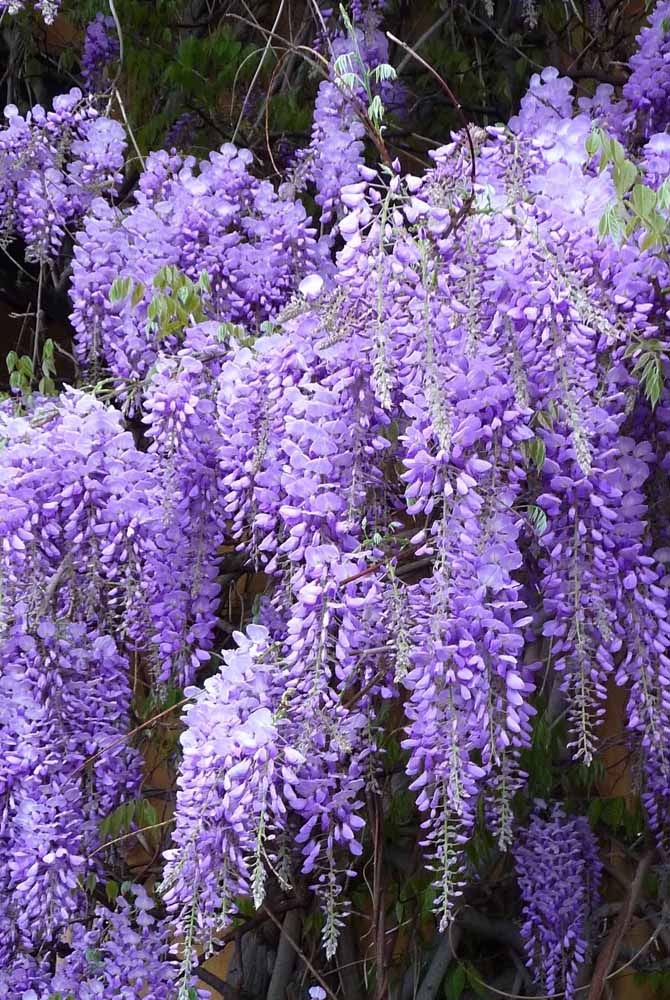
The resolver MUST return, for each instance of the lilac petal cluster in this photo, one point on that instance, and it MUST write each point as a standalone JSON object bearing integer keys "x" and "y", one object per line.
{"x": 645, "y": 664}
{"x": 249, "y": 765}
{"x": 252, "y": 406}
{"x": 100, "y": 52}
{"x": 74, "y": 494}
{"x": 549, "y": 96}
{"x": 48, "y": 9}
{"x": 435, "y": 450}
{"x": 646, "y": 93}
{"x": 180, "y": 562}
{"x": 558, "y": 871}
{"x": 334, "y": 158}
{"x": 225, "y": 789}
{"x": 490, "y": 369}
{"x": 25, "y": 978}
{"x": 335, "y": 154}
{"x": 53, "y": 164}
{"x": 123, "y": 953}
{"x": 655, "y": 159}
{"x": 213, "y": 216}
{"x": 181, "y": 132}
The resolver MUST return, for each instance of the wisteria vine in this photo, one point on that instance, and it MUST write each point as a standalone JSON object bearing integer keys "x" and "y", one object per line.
{"x": 427, "y": 426}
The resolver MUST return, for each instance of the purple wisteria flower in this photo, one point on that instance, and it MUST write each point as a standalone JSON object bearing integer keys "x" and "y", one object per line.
{"x": 213, "y": 217}
{"x": 53, "y": 164}
{"x": 426, "y": 431}
{"x": 48, "y": 9}
{"x": 558, "y": 870}
{"x": 101, "y": 50}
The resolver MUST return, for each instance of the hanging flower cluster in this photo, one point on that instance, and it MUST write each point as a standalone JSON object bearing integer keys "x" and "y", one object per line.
{"x": 180, "y": 560}
{"x": 558, "y": 870}
{"x": 101, "y": 50}
{"x": 359, "y": 89}
{"x": 53, "y": 164}
{"x": 122, "y": 953}
{"x": 647, "y": 91}
{"x": 437, "y": 453}
{"x": 47, "y": 8}
{"x": 213, "y": 216}
{"x": 482, "y": 355}
{"x": 72, "y": 489}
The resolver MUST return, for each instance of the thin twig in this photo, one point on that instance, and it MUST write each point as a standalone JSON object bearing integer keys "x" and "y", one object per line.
{"x": 122, "y": 739}
{"x": 119, "y": 32}
{"x": 610, "y": 949}
{"x": 268, "y": 46}
{"x": 128, "y": 127}
{"x": 275, "y": 73}
{"x": 128, "y": 836}
{"x": 300, "y": 953}
{"x": 423, "y": 39}
{"x": 454, "y": 100}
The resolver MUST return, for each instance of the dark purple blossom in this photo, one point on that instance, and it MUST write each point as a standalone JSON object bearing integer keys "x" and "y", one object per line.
{"x": 558, "y": 870}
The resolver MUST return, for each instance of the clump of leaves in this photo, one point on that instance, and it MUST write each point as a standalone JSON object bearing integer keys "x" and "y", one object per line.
{"x": 177, "y": 301}
{"x": 23, "y": 372}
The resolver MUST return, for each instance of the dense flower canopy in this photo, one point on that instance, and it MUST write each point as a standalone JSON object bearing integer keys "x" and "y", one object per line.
{"x": 423, "y": 425}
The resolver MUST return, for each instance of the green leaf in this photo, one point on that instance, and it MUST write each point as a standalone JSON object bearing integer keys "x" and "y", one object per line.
{"x": 138, "y": 294}
{"x": 146, "y": 813}
{"x": 536, "y": 451}
{"x": 538, "y": 519}
{"x": 595, "y": 811}
{"x": 120, "y": 289}
{"x": 427, "y": 901}
{"x": 12, "y": 361}
{"x": 594, "y": 142}
{"x": 475, "y": 982}
{"x": 649, "y": 369}
{"x": 349, "y": 81}
{"x": 384, "y": 72}
{"x": 613, "y": 222}
{"x": 617, "y": 152}
{"x": 643, "y": 200}
{"x": 613, "y": 812}
{"x": 343, "y": 64}
{"x": 376, "y": 109}
{"x": 545, "y": 419}
{"x": 454, "y": 983}
{"x": 650, "y": 240}
{"x": 47, "y": 386}
{"x": 624, "y": 176}
{"x": 111, "y": 890}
